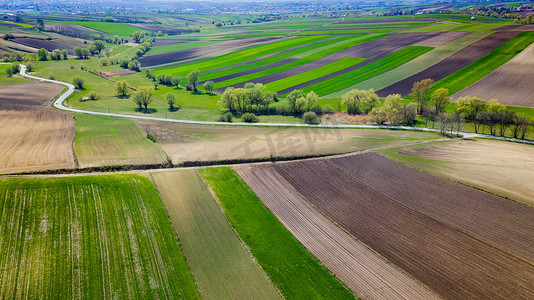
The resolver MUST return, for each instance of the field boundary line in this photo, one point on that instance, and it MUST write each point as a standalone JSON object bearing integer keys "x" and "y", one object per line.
{"x": 58, "y": 103}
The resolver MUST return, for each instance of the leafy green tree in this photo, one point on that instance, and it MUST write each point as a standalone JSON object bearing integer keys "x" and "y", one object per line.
{"x": 441, "y": 99}
{"x": 176, "y": 80}
{"x": 99, "y": 46}
{"x": 9, "y": 72}
{"x": 15, "y": 67}
{"x": 420, "y": 91}
{"x": 144, "y": 95}
{"x": 170, "y": 100}
{"x": 42, "y": 54}
{"x": 134, "y": 65}
{"x": 292, "y": 99}
{"x": 121, "y": 87}
{"x": 387, "y": 112}
{"x": 310, "y": 117}
{"x": 311, "y": 100}
{"x": 208, "y": 86}
{"x": 65, "y": 54}
{"x": 358, "y": 101}
{"x": 56, "y": 54}
{"x": 138, "y": 36}
{"x": 192, "y": 79}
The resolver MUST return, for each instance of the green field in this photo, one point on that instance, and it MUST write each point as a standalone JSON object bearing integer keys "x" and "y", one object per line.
{"x": 222, "y": 268}
{"x": 306, "y": 57}
{"x": 119, "y": 49}
{"x": 105, "y": 141}
{"x": 380, "y": 66}
{"x": 239, "y": 56}
{"x": 88, "y": 237}
{"x": 482, "y": 67}
{"x": 296, "y": 272}
{"x": 313, "y": 74}
{"x": 111, "y": 28}
{"x": 414, "y": 66}
{"x": 4, "y": 79}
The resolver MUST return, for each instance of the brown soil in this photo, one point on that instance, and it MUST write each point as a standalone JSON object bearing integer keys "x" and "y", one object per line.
{"x": 500, "y": 167}
{"x": 529, "y": 27}
{"x": 451, "y": 64}
{"x": 35, "y": 139}
{"x": 460, "y": 246}
{"x": 32, "y": 93}
{"x": 116, "y": 73}
{"x": 442, "y": 38}
{"x": 511, "y": 83}
{"x": 203, "y": 51}
{"x": 373, "y": 50}
{"x": 163, "y": 29}
{"x": 380, "y": 20}
{"x": 49, "y": 45}
{"x": 361, "y": 269}
{"x": 343, "y": 117}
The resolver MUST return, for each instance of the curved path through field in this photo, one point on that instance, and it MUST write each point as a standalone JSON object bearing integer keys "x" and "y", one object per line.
{"x": 58, "y": 103}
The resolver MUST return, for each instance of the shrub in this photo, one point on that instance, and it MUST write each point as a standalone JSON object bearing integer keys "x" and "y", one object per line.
{"x": 249, "y": 118}
{"x": 151, "y": 137}
{"x": 229, "y": 116}
{"x": 328, "y": 110}
{"x": 318, "y": 110}
{"x": 93, "y": 96}
{"x": 222, "y": 118}
{"x": 9, "y": 72}
{"x": 124, "y": 63}
{"x": 78, "y": 82}
{"x": 134, "y": 65}
{"x": 311, "y": 118}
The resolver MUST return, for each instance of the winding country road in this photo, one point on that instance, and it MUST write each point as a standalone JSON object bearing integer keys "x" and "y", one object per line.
{"x": 58, "y": 103}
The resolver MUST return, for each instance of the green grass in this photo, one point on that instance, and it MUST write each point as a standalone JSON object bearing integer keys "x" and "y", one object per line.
{"x": 414, "y": 66}
{"x": 307, "y": 57}
{"x": 313, "y": 74}
{"x": 471, "y": 26}
{"x": 20, "y": 24}
{"x": 179, "y": 47}
{"x": 111, "y": 28}
{"x": 108, "y": 141}
{"x": 296, "y": 272}
{"x": 119, "y": 49}
{"x": 238, "y": 56}
{"x": 4, "y": 79}
{"x": 88, "y": 237}
{"x": 375, "y": 68}
{"x": 222, "y": 268}
{"x": 482, "y": 67}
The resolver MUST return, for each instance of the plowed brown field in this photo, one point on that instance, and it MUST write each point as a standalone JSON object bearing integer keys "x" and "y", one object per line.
{"x": 433, "y": 237}
{"x": 511, "y": 83}
{"x": 451, "y": 64}
{"x": 503, "y": 168}
{"x": 366, "y": 273}
{"x": 32, "y": 93}
{"x": 35, "y": 139}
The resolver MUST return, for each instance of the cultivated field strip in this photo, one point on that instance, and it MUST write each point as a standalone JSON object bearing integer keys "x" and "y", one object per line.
{"x": 222, "y": 268}
{"x": 203, "y": 51}
{"x": 416, "y": 65}
{"x": 451, "y": 64}
{"x": 504, "y": 224}
{"x": 104, "y": 141}
{"x": 88, "y": 237}
{"x": 373, "y": 50}
{"x": 449, "y": 261}
{"x": 506, "y": 169}
{"x": 35, "y": 139}
{"x": 31, "y": 93}
{"x": 510, "y": 83}
{"x": 367, "y": 274}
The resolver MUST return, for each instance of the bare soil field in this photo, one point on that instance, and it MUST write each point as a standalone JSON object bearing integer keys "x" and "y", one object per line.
{"x": 503, "y": 168}
{"x": 35, "y": 139}
{"x": 529, "y": 27}
{"x": 373, "y": 50}
{"x": 511, "y": 83}
{"x": 450, "y": 203}
{"x": 451, "y": 64}
{"x": 183, "y": 142}
{"x": 203, "y": 51}
{"x": 117, "y": 73}
{"x": 383, "y": 20}
{"x": 366, "y": 273}
{"x": 267, "y": 67}
{"x": 31, "y": 93}
{"x": 450, "y": 261}
{"x": 443, "y": 38}
{"x": 66, "y": 43}
{"x": 163, "y": 42}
